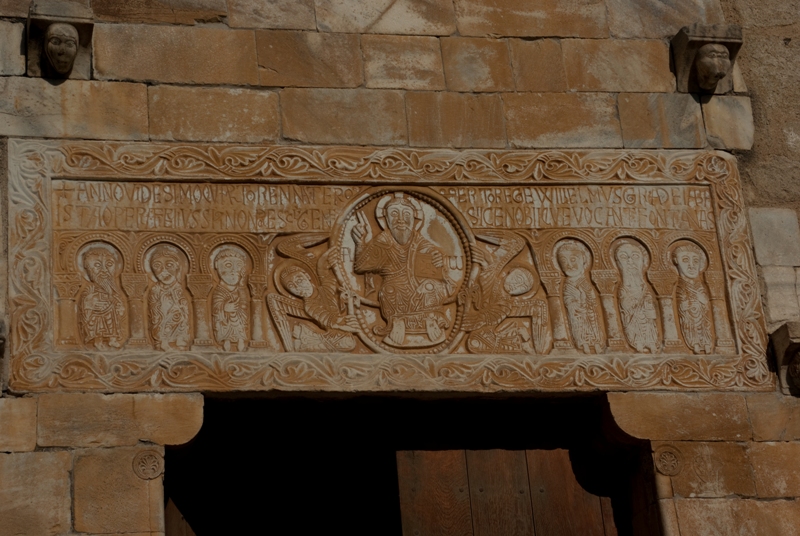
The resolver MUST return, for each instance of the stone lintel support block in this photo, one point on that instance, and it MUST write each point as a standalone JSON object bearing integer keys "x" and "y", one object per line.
{"x": 704, "y": 55}
{"x": 729, "y": 121}
{"x": 59, "y": 37}
{"x": 682, "y": 416}
{"x": 786, "y": 343}
{"x": 17, "y": 424}
{"x": 112, "y": 493}
{"x": 96, "y": 420}
{"x": 35, "y": 493}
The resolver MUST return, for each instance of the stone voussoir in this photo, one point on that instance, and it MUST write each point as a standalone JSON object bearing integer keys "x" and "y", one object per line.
{"x": 618, "y": 65}
{"x": 175, "y": 54}
{"x": 96, "y": 420}
{"x": 402, "y": 62}
{"x": 309, "y": 59}
{"x": 682, "y": 416}
{"x": 179, "y": 113}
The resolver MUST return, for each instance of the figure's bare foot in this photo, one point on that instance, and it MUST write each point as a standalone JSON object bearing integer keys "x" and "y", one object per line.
{"x": 240, "y": 345}
{"x": 226, "y": 345}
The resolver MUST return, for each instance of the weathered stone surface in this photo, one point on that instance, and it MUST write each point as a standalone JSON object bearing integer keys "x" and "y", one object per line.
{"x": 617, "y": 65}
{"x": 715, "y": 469}
{"x": 776, "y": 236}
{"x": 416, "y": 17}
{"x": 657, "y": 19}
{"x": 444, "y": 119}
{"x": 309, "y": 59}
{"x": 474, "y": 64}
{"x": 12, "y": 58}
{"x": 213, "y": 114}
{"x": 656, "y": 120}
{"x": 729, "y": 121}
{"x": 682, "y": 416}
{"x": 35, "y": 493}
{"x": 780, "y": 283}
{"x": 776, "y": 467}
{"x": 171, "y": 54}
{"x": 409, "y": 62}
{"x": 669, "y": 518}
{"x": 95, "y": 420}
{"x": 73, "y": 109}
{"x": 538, "y": 65}
{"x": 277, "y": 14}
{"x": 169, "y": 419}
{"x": 17, "y": 424}
{"x": 19, "y": 8}
{"x": 549, "y": 18}
{"x": 170, "y": 11}
{"x": 774, "y": 417}
{"x": 742, "y": 517}
{"x": 344, "y": 116}
{"x": 110, "y": 498}
{"x": 562, "y": 120}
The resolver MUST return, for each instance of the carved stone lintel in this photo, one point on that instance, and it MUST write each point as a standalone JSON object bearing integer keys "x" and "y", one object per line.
{"x": 704, "y": 56}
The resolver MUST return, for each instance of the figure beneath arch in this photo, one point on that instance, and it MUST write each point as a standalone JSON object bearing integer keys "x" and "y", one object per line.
{"x": 580, "y": 297}
{"x": 637, "y": 304}
{"x": 168, "y": 300}
{"x": 229, "y": 308}
{"x": 101, "y": 303}
{"x": 694, "y": 305}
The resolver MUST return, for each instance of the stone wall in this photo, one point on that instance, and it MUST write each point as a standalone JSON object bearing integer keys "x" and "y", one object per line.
{"x": 419, "y": 74}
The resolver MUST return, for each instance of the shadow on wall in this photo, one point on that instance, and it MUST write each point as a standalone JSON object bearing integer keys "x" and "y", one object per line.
{"x": 329, "y": 465}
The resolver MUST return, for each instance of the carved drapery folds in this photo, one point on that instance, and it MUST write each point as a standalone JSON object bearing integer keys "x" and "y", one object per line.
{"x": 448, "y": 270}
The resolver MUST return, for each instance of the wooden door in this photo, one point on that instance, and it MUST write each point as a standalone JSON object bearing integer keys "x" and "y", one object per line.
{"x": 497, "y": 493}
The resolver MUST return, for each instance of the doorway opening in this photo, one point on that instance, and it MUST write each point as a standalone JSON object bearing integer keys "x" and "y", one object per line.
{"x": 371, "y": 465}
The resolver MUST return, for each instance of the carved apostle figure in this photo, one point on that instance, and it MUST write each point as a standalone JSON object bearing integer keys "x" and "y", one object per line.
{"x": 637, "y": 304}
{"x": 415, "y": 283}
{"x": 229, "y": 300}
{"x": 61, "y": 46}
{"x": 319, "y": 303}
{"x": 168, "y": 300}
{"x": 580, "y": 296}
{"x": 694, "y": 310}
{"x": 102, "y": 309}
{"x": 713, "y": 63}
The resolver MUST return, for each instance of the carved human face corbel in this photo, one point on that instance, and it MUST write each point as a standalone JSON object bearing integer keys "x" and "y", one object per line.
{"x": 713, "y": 63}
{"x": 61, "y": 47}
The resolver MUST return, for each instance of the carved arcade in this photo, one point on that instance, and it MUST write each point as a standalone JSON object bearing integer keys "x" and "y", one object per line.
{"x": 617, "y": 272}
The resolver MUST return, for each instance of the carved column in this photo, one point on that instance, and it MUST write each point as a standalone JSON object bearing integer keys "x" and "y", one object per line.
{"x": 135, "y": 286}
{"x": 200, "y": 286}
{"x": 553, "y": 282}
{"x": 67, "y": 286}
{"x": 606, "y": 281}
{"x": 722, "y": 326}
{"x": 664, "y": 282}
{"x": 258, "y": 287}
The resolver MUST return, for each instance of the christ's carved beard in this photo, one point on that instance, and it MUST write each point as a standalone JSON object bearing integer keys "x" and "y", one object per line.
{"x": 401, "y": 233}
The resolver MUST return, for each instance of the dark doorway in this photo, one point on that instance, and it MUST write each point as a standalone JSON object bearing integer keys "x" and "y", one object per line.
{"x": 295, "y": 466}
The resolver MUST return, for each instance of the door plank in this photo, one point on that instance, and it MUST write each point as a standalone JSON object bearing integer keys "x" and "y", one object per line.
{"x": 561, "y": 507}
{"x": 434, "y": 493}
{"x": 608, "y": 516}
{"x": 500, "y": 493}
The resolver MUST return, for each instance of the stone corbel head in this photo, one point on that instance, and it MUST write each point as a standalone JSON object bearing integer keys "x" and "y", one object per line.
{"x": 704, "y": 56}
{"x": 59, "y": 40}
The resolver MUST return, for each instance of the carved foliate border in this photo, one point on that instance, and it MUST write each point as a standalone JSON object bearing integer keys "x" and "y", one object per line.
{"x": 35, "y": 366}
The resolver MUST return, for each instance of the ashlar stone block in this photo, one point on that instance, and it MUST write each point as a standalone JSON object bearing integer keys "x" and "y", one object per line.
{"x": 17, "y": 424}
{"x": 538, "y": 65}
{"x": 445, "y": 119}
{"x": 109, "y": 497}
{"x": 743, "y": 517}
{"x": 309, "y": 59}
{"x": 711, "y": 469}
{"x": 414, "y": 17}
{"x": 179, "y": 113}
{"x": 12, "y": 57}
{"x": 474, "y": 64}
{"x": 404, "y": 62}
{"x": 35, "y": 493}
{"x": 661, "y": 120}
{"x": 775, "y": 417}
{"x": 160, "y": 11}
{"x": 628, "y": 65}
{"x": 73, "y": 109}
{"x": 776, "y": 236}
{"x": 276, "y": 14}
{"x": 729, "y": 121}
{"x": 776, "y": 467}
{"x": 520, "y": 18}
{"x": 356, "y": 116}
{"x": 562, "y": 120}
{"x": 173, "y": 54}
{"x": 655, "y": 19}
